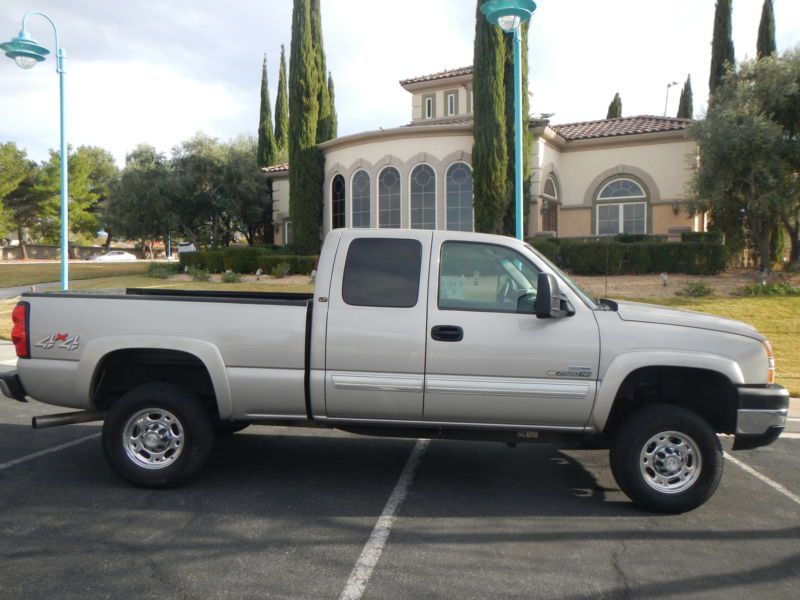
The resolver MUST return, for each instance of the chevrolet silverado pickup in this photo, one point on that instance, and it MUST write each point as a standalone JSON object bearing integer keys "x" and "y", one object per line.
{"x": 408, "y": 333}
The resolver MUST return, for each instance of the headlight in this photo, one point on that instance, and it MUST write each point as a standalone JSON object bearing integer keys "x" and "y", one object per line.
{"x": 770, "y": 362}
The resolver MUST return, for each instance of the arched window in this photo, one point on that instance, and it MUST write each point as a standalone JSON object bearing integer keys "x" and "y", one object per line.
{"x": 550, "y": 205}
{"x": 360, "y": 199}
{"x": 423, "y": 198}
{"x": 389, "y": 198}
{"x": 337, "y": 195}
{"x": 621, "y": 207}
{"x": 459, "y": 197}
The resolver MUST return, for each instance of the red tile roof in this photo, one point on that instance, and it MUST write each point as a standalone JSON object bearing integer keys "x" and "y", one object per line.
{"x": 276, "y": 168}
{"x": 622, "y": 126}
{"x": 440, "y": 75}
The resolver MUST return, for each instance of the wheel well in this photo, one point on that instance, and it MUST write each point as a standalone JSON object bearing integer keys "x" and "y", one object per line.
{"x": 124, "y": 370}
{"x": 707, "y": 393}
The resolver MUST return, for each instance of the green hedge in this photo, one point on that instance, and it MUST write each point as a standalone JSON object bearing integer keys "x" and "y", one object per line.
{"x": 596, "y": 257}
{"x": 300, "y": 265}
{"x": 245, "y": 259}
{"x": 242, "y": 259}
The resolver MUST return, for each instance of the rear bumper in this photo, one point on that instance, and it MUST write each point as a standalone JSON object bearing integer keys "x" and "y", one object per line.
{"x": 761, "y": 416}
{"x": 11, "y": 386}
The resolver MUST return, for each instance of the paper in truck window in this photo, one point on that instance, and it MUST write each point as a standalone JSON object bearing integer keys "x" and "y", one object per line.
{"x": 451, "y": 287}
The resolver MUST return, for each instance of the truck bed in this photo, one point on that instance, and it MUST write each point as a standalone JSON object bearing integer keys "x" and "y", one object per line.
{"x": 258, "y": 342}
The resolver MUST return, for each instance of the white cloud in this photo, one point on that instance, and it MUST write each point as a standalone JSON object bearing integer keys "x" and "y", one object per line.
{"x": 117, "y": 105}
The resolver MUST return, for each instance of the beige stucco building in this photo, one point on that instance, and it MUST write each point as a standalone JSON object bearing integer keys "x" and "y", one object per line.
{"x": 627, "y": 175}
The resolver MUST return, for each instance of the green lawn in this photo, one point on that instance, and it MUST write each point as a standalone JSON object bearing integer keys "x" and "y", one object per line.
{"x": 12, "y": 275}
{"x": 778, "y": 318}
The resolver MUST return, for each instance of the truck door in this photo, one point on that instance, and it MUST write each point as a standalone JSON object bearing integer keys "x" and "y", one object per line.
{"x": 375, "y": 349}
{"x": 489, "y": 363}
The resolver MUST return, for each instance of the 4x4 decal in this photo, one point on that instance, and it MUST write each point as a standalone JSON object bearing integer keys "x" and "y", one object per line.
{"x": 59, "y": 341}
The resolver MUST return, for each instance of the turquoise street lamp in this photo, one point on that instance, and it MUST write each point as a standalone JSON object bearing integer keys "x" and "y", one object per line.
{"x": 27, "y": 53}
{"x": 509, "y": 16}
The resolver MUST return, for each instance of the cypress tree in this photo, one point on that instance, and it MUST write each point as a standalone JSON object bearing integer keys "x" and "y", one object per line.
{"x": 489, "y": 151}
{"x": 722, "y": 55}
{"x": 266, "y": 138}
{"x": 334, "y": 119}
{"x": 511, "y": 217}
{"x": 323, "y": 99}
{"x": 615, "y": 108}
{"x": 766, "y": 45}
{"x": 282, "y": 108}
{"x": 306, "y": 166}
{"x": 686, "y": 104}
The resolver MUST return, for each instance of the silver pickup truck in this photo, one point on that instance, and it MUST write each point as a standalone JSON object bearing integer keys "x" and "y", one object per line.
{"x": 408, "y": 333}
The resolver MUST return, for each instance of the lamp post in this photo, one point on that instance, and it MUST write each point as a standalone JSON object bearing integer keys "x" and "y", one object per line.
{"x": 666, "y": 101}
{"x": 509, "y": 16}
{"x": 27, "y": 53}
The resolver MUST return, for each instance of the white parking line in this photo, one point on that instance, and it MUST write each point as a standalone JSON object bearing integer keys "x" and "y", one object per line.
{"x": 371, "y": 553}
{"x": 23, "y": 459}
{"x": 773, "y": 484}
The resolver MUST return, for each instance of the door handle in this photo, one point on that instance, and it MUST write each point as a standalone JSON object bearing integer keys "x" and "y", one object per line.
{"x": 447, "y": 333}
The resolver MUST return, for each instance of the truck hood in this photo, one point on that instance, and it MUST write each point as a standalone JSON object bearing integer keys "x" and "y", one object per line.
{"x": 652, "y": 313}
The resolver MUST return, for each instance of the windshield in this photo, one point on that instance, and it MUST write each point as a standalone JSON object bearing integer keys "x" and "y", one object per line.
{"x": 564, "y": 277}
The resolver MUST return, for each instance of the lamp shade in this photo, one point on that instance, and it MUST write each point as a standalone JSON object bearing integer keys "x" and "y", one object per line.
{"x": 508, "y": 14}
{"x": 24, "y": 50}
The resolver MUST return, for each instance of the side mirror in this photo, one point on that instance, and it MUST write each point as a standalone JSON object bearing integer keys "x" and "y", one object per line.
{"x": 548, "y": 298}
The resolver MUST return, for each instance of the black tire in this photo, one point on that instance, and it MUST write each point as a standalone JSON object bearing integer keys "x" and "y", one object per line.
{"x": 171, "y": 416}
{"x": 227, "y": 428}
{"x": 666, "y": 473}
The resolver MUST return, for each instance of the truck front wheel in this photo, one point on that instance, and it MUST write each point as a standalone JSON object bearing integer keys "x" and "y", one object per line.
{"x": 666, "y": 459}
{"x": 157, "y": 435}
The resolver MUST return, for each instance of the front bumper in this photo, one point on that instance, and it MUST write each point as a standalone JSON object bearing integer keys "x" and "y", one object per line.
{"x": 761, "y": 415}
{"x": 11, "y": 386}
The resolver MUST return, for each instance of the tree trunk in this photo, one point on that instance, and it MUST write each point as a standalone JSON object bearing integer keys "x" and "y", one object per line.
{"x": 793, "y": 229}
{"x": 23, "y": 251}
{"x": 190, "y": 234}
{"x": 107, "y": 243}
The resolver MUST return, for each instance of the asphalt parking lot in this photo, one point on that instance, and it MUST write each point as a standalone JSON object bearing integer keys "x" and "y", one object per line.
{"x": 282, "y": 513}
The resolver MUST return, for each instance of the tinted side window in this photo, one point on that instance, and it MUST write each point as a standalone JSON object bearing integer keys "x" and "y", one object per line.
{"x": 382, "y": 272}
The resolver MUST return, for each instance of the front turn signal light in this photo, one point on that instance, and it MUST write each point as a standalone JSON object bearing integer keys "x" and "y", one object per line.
{"x": 770, "y": 361}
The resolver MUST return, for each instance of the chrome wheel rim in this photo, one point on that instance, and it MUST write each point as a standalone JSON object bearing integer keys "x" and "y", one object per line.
{"x": 153, "y": 438}
{"x": 670, "y": 462}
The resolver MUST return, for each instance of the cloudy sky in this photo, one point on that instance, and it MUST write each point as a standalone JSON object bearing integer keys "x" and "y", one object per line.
{"x": 159, "y": 71}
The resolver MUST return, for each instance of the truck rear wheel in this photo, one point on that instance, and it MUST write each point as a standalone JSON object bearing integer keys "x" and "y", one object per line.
{"x": 157, "y": 435}
{"x": 666, "y": 459}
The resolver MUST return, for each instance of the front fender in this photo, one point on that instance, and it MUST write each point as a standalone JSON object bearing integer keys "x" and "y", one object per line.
{"x": 206, "y": 352}
{"x": 626, "y": 363}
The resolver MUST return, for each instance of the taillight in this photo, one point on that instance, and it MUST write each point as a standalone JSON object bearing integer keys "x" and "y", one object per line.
{"x": 19, "y": 330}
{"x": 770, "y": 361}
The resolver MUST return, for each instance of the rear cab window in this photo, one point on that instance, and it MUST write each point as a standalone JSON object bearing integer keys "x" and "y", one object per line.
{"x": 382, "y": 272}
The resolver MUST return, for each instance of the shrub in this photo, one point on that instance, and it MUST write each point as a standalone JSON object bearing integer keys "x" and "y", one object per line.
{"x": 280, "y": 270}
{"x": 546, "y": 246}
{"x": 782, "y": 288}
{"x": 199, "y": 274}
{"x": 595, "y": 257}
{"x": 695, "y": 289}
{"x": 230, "y": 277}
{"x": 163, "y": 270}
{"x": 214, "y": 261}
{"x": 242, "y": 259}
{"x": 192, "y": 259}
{"x": 712, "y": 237}
{"x": 301, "y": 265}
